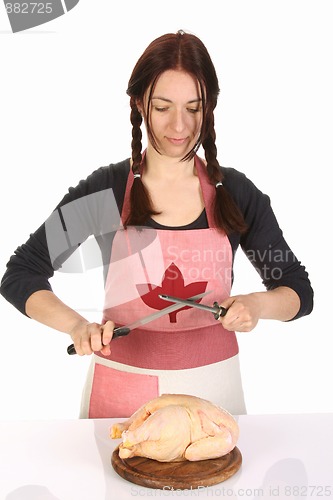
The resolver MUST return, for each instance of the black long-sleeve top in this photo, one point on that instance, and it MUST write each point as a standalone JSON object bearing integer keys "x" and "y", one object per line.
{"x": 92, "y": 208}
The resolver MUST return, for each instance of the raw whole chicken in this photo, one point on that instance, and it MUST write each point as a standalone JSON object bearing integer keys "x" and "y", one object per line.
{"x": 176, "y": 427}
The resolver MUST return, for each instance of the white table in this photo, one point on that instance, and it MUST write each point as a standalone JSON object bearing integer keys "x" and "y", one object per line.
{"x": 284, "y": 456}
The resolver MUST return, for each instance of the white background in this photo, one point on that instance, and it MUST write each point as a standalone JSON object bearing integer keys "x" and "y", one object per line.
{"x": 64, "y": 113}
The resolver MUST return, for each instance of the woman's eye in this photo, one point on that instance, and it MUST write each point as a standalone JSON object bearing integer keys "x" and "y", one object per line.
{"x": 193, "y": 110}
{"x": 160, "y": 109}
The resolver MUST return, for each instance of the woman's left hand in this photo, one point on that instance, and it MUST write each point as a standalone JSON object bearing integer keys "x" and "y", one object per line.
{"x": 243, "y": 312}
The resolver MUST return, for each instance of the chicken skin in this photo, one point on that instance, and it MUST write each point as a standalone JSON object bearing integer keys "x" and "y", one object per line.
{"x": 177, "y": 427}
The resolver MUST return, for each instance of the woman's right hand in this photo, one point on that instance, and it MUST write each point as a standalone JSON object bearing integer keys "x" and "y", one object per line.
{"x": 89, "y": 337}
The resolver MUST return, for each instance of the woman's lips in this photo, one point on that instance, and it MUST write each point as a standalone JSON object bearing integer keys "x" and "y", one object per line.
{"x": 177, "y": 142}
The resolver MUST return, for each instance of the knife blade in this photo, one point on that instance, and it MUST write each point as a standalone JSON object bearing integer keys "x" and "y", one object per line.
{"x": 216, "y": 309}
{"x": 121, "y": 331}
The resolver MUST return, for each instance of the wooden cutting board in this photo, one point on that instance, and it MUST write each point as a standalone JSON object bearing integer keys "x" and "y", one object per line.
{"x": 177, "y": 475}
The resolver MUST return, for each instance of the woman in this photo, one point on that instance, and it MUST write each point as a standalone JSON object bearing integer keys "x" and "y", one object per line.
{"x": 182, "y": 219}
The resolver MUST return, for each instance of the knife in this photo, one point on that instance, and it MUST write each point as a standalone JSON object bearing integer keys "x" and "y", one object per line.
{"x": 121, "y": 331}
{"x": 217, "y": 310}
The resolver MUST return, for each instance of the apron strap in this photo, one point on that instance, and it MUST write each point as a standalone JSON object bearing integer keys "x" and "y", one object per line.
{"x": 208, "y": 190}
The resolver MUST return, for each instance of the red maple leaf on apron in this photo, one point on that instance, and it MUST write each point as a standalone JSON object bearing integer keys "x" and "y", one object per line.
{"x": 172, "y": 284}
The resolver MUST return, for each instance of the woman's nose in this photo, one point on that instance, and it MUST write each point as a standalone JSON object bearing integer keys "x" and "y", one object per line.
{"x": 178, "y": 121}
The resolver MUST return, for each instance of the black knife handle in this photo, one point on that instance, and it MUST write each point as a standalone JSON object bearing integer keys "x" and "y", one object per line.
{"x": 71, "y": 349}
{"x": 221, "y": 312}
{"x": 121, "y": 331}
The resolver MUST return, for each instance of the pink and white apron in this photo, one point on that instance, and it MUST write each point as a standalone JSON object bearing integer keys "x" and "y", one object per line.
{"x": 186, "y": 351}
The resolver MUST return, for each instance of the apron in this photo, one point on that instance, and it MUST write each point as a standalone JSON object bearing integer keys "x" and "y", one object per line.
{"x": 186, "y": 351}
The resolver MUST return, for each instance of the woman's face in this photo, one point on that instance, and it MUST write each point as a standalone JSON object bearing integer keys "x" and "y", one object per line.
{"x": 175, "y": 113}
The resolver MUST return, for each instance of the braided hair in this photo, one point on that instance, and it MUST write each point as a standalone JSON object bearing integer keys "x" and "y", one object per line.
{"x": 178, "y": 51}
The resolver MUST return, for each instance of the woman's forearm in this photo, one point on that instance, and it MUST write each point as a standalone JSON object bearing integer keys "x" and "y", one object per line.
{"x": 45, "y": 307}
{"x": 282, "y": 303}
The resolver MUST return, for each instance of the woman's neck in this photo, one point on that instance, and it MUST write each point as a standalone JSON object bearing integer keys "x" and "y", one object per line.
{"x": 158, "y": 167}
